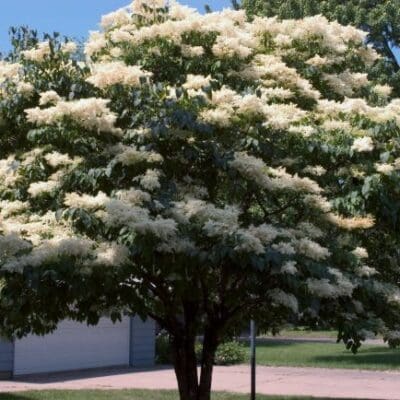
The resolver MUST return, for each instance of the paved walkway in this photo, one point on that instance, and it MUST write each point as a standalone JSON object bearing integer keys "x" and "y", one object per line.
{"x": 319, "y": 382}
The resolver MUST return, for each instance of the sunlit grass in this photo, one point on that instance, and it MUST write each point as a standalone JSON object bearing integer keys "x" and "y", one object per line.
{"x": 326, "y": 355}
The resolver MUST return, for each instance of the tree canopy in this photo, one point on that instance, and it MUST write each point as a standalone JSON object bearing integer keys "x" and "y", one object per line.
{"x": 380, "y": 18}
{"x": 199, "y": 170}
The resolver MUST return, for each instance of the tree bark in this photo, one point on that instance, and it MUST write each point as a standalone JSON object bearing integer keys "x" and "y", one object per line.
{"x": 186, "y": 368}
{"x": 210, "y": 344}
{"x": 185, "y": 365}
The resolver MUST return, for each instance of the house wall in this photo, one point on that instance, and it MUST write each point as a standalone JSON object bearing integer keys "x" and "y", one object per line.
{"x": 6, "y": 358}
{"x": 142, "y": 342}
{"x": 74, "y": 346}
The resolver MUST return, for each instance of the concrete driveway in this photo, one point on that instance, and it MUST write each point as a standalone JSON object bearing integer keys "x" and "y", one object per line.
{"x": 319, "y": 382}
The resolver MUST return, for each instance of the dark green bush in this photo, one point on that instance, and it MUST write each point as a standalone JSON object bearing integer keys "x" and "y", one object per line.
{"x": 163, "y": 349}
{"x": 228, "y": 353}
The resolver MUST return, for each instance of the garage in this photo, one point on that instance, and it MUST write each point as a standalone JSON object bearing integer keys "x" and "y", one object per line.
{"x": 74, "y": 346}
{"x": 6, "y": 358}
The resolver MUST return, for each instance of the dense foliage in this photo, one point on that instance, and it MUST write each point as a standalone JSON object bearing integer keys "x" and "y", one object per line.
{"x": 380, "y": 18}
{"x": 200, "y": 170}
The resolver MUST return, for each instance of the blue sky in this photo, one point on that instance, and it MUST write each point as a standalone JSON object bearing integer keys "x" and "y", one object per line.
{"x": 69, "y": 17}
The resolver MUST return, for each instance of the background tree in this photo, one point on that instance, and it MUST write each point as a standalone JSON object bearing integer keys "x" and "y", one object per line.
{"x": 197, "y": 169}
{"x": 380, "y": 18}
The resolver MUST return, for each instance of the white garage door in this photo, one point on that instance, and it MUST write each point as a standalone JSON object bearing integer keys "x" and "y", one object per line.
{"x": 74, "y": 346}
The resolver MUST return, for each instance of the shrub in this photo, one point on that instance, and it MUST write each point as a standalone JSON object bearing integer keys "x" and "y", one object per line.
{"x": 163, "y": 349}
{"x": 228, "y": 353}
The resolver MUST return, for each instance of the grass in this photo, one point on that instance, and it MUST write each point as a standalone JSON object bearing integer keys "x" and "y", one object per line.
{"x": 303, "y": 333}
{"x": 327, "y": 355}
{"x": 128, "y": 395}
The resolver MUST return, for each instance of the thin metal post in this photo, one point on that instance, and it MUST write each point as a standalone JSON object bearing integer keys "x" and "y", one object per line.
{"x": 253, "y": 359}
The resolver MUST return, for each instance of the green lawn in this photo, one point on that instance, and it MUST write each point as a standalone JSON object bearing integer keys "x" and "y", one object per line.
{"x": 327, "y": 355}
{"x": 304, "y": 333}
{"x": 129, "y": 395}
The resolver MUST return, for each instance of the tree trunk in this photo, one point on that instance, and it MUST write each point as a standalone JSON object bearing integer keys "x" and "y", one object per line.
{"x": 210, "y": 344}
{"x": 185, "y": 365}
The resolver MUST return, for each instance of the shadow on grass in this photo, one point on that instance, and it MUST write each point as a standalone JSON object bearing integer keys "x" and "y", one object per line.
{"x": 12, "y": 396}
{"x": 340, "y": 347}
{"x": 268, "y": 343}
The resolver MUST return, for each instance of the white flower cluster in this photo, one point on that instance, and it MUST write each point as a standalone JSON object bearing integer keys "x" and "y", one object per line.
{"x": 360, "y": 252}
{"x": 312, "y": 249}
{"x": 69, "y": 47}
{"x": 353, "y": 106}
{"x": 120, "y": 213}
{"x": 38, "y": 53}
{"x": 228, "y": 104}
{"x": 56, "y": 159}
{"x": 281, "y": 116}
{"x": 203, "y": 211}
{"x": 346, "y": 82}
{"x": 332, "y": 35}
{"x": 388, "y": 168}
{"x": 111, "y": 254}
{"x": 33, "y": 227}
{"x": 271, "y": 70}
{"x": 97, "y": 42}
{"x": 86, "y": 201}
{"x": 351, "y": 223}
{"x": 336, "y": 125}
{"x": 117, "y": 72}
{"x": 8, "y": 171}
{"x": 9, "y": 71}
{"x": 51, "y": 250}
{"x": 317, "y": 170}
{"x": 49, "y": 97}
{"x": 366, "y": 272}
{"x": 92, "y": 114}
{"x": 324, "y": 288}
{"x": 383, "y": 91}
{"x": 151, "y": 180}
{"x": 43, "y": 50}
{"x": 133, "y": 196}
{"x": 196, "y": 81}
{"x": 289, "y": 268}
{"x": 271, "y": 178}
{"x": 192, "y": 51}
{"x": 8, "y": 208}
{"x": 115, "y": 18}
{"x": 281, "y": 298}
{"x": 364, "y": 144}
{"x": 131, "y": 155}
{"x": 37, "y": 189}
